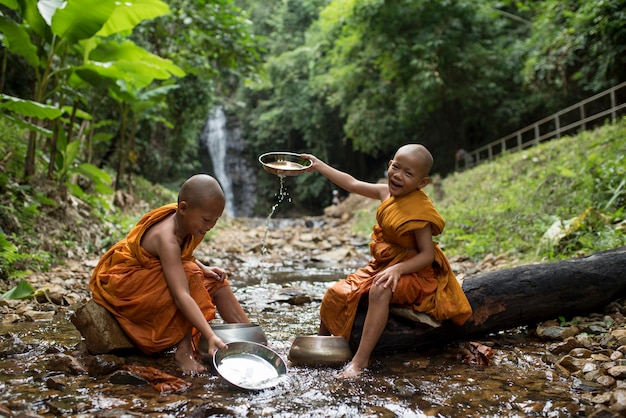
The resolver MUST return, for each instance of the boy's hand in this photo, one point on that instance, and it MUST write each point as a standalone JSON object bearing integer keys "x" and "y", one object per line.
{"x": 215, "y": 273}
{"x": 214, "y": 344}
{"x": 314, "y": 161}
{"x": 388, "y": 278}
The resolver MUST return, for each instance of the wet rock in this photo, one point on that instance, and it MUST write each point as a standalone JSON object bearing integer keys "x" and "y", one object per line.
{"x": 66, "y": 364}
{"x": 586, "y": 386}
{"x": 56, "y": 383}
{"x": 565, "y": 346}
{"x": 36, "y": 316}
{"x": 555, "y": 332}
{"x": 104, "y": 364}
{"x": 603, "y": 412}
{"x": 123, "y": 377}
{"x": 100, "y": 329}
{"x": 11, "y": 345}
{"x": 293, "y": 296}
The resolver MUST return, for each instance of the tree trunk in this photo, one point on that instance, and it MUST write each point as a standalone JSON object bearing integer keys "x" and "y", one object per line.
{"x": 513, "y": 297}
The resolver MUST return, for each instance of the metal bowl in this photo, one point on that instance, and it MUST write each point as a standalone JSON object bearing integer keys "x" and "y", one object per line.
{"x": 319, "y": 350}
{"x": 250, "y": 366}
{"x": 233, "y": 332}
{"x": 284, "y": 163}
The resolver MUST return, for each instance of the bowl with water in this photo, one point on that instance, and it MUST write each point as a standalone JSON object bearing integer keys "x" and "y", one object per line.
{"x": 284, "y": 163}
{"x": 249, "y": 366}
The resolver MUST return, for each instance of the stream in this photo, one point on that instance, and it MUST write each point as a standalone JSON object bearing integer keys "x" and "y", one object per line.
{"x": 41, "y": 374}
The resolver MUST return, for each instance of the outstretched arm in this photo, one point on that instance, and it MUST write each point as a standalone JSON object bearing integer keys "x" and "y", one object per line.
{"x": 346, "y": 181}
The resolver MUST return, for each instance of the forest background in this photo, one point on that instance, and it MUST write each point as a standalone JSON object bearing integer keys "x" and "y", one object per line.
{"x": 98, "y": 96}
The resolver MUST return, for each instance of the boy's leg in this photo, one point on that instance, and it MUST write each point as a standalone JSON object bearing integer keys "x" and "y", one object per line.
{"x": 228, "y": 306}
{"x": 323, "y": 330}
{"x": 185, "y": 359}
{"x": 373, "y": 327}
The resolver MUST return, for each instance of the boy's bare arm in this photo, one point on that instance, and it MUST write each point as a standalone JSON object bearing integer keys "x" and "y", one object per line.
{"x": 348, "y": 182}
{"x": 168, "y": 250}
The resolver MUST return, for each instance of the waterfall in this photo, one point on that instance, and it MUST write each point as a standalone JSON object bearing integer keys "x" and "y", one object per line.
{"x": 222, "y": 140}
{"x": 215, "y": 139}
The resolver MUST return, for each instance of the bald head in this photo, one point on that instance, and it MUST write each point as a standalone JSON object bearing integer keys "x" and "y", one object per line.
{"x": 199, "y": 190}
{"x": 420, "y": 154}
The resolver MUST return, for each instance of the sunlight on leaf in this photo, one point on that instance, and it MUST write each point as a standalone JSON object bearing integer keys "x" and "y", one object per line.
{"x": 23, "y": 290}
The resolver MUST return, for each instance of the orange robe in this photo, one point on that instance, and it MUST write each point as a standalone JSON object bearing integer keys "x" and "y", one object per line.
{"x": 433, "y": 290}
{"x": 129, "y": 282}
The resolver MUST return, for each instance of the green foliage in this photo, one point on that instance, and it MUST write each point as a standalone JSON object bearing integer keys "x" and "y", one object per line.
{"x": 577, "y": 45}
{"x": 508, "y": 205}
{"x": 23, "y": 290}
{"x": 9, "y": 257}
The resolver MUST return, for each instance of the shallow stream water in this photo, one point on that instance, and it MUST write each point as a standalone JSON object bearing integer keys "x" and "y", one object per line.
{"x": 432, "y": 382}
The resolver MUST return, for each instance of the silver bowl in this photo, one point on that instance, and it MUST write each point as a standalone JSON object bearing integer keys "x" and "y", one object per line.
{"x": 319, "y": 350}
{"x": 233, "y": 332}
{"x": 284, "y": 163}
{"x": 250, "y": 366}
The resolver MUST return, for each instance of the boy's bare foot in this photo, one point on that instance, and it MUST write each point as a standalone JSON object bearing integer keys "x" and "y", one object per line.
{"x": 187, "y": 363}
{"x": 350, "y": 371}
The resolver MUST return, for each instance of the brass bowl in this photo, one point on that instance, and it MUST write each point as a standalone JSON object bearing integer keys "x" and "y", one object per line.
{"x": 318, "y": 350}
{"x": 250, "y": 366}
{"x": 233, "y": 332}
{"x": 284, "y": 163}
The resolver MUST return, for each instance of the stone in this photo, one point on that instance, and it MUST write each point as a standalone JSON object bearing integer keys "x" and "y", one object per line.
{"x": 100, "y": 329}
{"x": 618, "y": 401}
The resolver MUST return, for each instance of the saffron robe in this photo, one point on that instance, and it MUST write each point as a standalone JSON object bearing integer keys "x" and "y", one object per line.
{"x": 433, "y": 290}
{"x": 129, "y": 282}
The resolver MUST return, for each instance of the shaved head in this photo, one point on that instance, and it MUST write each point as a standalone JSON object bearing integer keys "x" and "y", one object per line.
{"x": 199, "y": 190}
{"x": 424, "y": 157}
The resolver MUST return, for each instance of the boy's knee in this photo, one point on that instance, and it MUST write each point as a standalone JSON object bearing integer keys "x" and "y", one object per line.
{"x": 379, "y": 294}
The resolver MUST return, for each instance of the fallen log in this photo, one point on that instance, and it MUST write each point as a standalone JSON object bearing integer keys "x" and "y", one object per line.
{"x": 513, "y": 297}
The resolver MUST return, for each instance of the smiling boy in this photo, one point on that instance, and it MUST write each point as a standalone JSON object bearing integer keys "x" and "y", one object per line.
{"x": 407, "y": 268}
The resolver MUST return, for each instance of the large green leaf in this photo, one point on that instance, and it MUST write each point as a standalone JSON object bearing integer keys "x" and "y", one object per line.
{"x": 129, "y": 14}
{"x": 129, "y": 51}
{"x": 27, "y": 125}
{"x": 11, "y": 4}
{"x": 23, "y": 290}
{"x": 98, "y": 74}
{"x": 81, "y": 19}
{"x": 17, "y": 41}
{"x": 29, "y": 108}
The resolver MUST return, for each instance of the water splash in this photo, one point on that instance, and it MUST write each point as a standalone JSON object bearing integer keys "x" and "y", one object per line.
{"x": 280, "y": 197}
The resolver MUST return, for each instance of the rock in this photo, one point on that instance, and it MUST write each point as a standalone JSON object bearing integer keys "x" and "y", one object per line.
{"x": 123, "y": 377}
{"x": 100, "y": 329}
{"x": 66, "y": 364}
{"x": 618, "y": 401}
{"x": 619, "y": 372}
{"x": 56, "y": 383}
{"x": 37, "y": 316}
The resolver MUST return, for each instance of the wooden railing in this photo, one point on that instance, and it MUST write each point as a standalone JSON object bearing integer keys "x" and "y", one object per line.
{"x": 584, "y": 115}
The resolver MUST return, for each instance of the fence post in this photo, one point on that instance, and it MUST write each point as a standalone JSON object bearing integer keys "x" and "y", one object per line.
{"x": 613, "y": 104}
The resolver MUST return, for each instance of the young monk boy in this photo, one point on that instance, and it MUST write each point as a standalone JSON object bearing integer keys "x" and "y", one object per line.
{"x": 407, "y": 267}
{"x": 151, "y": 282}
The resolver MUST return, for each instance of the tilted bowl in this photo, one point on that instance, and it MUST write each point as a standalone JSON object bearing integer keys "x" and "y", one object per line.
{"x": 250, "y": 366}
{"x": 319, "y": 350}
{"x": 284, "y": 163}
